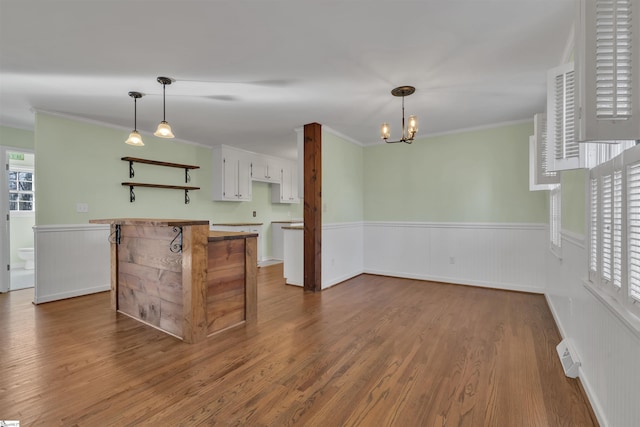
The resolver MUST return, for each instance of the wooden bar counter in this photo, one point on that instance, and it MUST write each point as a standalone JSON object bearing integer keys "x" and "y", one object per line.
{"x": 181, "y": 278}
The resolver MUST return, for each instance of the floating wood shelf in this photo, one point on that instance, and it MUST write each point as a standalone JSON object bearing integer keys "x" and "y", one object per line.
{"x": 132, "y": 196}
{"x": 133, "y": 160}
{"x": 187, "y": 178}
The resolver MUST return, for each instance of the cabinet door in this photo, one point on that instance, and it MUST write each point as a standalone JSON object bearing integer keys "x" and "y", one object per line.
{"x": 229, "y": 178}
{"x": 265, "y": 168}
{"x": 287, "y": 190}
{"x": 244, "y": 178}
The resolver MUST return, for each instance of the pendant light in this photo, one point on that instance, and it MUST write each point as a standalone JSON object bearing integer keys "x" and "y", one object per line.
{"x": 134, "y": 137}
{"x": 412, "y": 127}
{"x": 164, "y": 130}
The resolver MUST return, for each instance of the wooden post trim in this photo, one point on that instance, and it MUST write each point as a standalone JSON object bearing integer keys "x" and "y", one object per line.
{"x": 194, "y": 281}
{"x": 312, "y": 207}
{"x": 251, "y": 280}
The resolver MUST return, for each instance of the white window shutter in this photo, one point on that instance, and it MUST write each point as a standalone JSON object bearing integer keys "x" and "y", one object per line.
{"x": 617, "y": 226}
{"x": 540, "y": 176}
{"x": 606, "y": 215}
{"x": 543, "y": 174}
{"x": 633, "y": 228}
{"x": 563, "y": 151}
{"x": 593, "y": 226}
{"x": 608, "y": 70}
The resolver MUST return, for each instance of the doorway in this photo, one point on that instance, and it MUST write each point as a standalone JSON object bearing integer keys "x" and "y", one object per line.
{"x": 18, "y": 206}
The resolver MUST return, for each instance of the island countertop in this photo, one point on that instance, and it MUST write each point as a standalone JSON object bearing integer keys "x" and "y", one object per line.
{"x": 152, "y": 222}
{"x": 216, "y": 236}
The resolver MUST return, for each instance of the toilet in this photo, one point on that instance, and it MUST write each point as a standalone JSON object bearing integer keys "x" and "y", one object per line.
{"x": 27, "y": 255}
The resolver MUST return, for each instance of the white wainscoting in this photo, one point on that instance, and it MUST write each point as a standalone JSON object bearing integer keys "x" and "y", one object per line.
{"x": 506, "y": 256}
{"x": 71, "y": 260}
{"x": 608, "y": 348}
{"x": 342, "y": 255}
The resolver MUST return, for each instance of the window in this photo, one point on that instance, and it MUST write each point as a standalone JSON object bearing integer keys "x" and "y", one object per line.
{"x": 21, "y": 191}
{"x": 614, "y": 228}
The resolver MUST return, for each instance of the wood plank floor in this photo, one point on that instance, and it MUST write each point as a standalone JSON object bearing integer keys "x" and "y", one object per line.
{"x": 373, "y": 351}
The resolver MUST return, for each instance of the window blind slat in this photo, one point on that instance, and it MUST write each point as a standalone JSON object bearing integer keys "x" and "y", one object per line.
{"x": 633, "y": 230}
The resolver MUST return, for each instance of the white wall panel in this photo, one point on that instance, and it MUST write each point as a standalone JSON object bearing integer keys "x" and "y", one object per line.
{"x": 507, "y": 256}
{"x": 342, "y": 256}
{"x": 608, "y": 348}
{"x": 71, "y": 260}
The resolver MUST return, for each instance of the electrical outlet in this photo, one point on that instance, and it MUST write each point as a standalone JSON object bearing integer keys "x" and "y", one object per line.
{"x": 452, "y": 260}
{"x": 254, "y": 214}
{"x": 82, "y": 207}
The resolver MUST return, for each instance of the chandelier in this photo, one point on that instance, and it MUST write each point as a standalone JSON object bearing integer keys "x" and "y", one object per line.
{"x": 412, "y": 122}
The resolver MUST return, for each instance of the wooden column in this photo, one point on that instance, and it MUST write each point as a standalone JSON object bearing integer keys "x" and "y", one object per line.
{"x": 312, "y": 207}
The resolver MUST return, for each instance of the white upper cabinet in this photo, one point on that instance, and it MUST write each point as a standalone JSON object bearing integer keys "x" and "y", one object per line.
{"x": 265, "y": 168}
{"x": 231, "y": 174}
{"x": 287, "y": 190}
{"x": 607, "y": 98}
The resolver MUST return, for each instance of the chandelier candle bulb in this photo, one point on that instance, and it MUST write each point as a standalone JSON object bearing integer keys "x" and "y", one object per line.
{"x": 413, "y": 126}
{"x": 385, "y": 132}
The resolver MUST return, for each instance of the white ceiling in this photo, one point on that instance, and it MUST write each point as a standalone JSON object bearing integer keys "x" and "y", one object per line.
{"x": 247, "y": 73}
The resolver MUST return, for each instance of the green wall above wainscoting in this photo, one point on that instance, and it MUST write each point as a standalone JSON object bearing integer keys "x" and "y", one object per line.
{"x": 16, "y": 138}
{"x": 79, "y": 162}
{"x": 342, "y": 184}
{"x": 476, "y": 176}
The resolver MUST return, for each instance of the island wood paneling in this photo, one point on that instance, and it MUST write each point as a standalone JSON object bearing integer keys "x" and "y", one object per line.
{"x": 225, "y": 284}
{"x": 181, "y": 278}
{"x": 145, "y": 265}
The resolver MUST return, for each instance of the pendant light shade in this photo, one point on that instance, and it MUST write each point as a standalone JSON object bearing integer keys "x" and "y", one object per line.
{"x": 134, "y": 137}
{"x": 164, "y": 130}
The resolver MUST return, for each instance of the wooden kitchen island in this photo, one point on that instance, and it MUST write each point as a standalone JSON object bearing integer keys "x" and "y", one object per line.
{"x": 181, "y": 278}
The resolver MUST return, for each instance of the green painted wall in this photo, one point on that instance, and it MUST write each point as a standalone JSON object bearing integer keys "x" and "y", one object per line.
{"x": 342, "y": 180}
{"x": 477, "y": 176}
{"x": 574, "y": 190}
{"x": 18, "y": 138}
{"x": 79, "y": 162}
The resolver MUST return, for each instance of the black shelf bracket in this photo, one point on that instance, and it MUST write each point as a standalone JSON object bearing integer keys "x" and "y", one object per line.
{"x": 132, "y": 195}
{"x": 176, "y": 246}
{"x": 187, "y": 177}
{"x": 132, "y": 173}
{"x": 187, "y": 200}
{"x": 114, "y": 237}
